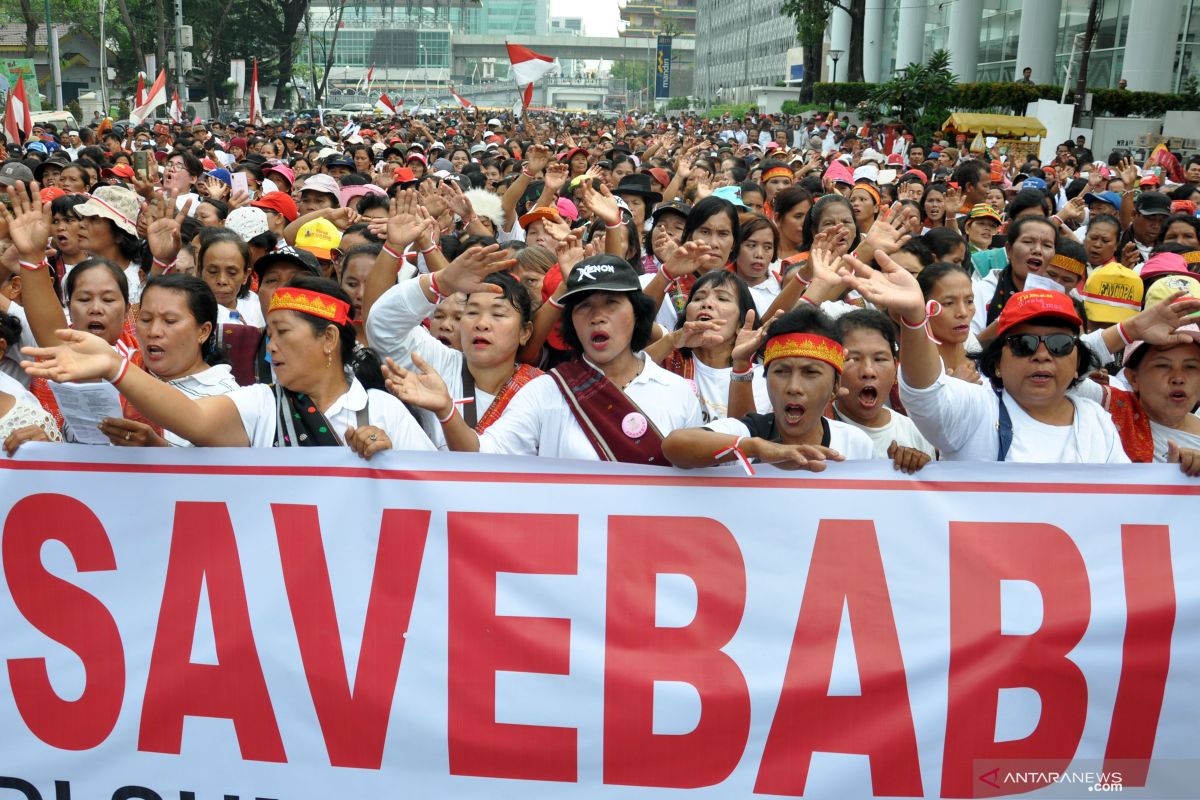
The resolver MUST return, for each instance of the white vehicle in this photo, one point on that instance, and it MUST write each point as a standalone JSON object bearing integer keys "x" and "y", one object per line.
{"x": 62, "y": 121}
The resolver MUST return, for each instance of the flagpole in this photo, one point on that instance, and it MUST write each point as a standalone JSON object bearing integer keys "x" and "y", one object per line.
{"x": 180, "y": 78}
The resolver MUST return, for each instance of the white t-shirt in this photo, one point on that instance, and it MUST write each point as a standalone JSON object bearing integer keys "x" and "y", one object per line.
{"x": 206, "y": 383}
{"x": 260, "y": 415}
{"x": 712, "y": 387}
{"x": 764, "y": 293}
{"x": 899, "y": 429}
{"x": 667, "y": 316}
{"x": 539, "y": 422}
{"x": 133, "y": 275}
{"x": 1162, "y": 434}
{"x": 962, "y": 420}
{"x": 10, "y": 365}
{"x": 248, "y": 312}
{"x": 847, "y": 440}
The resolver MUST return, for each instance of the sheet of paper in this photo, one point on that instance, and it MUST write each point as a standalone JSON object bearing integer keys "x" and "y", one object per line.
{"x": 1035, "y": 281}
{"x": 84, "y": 405}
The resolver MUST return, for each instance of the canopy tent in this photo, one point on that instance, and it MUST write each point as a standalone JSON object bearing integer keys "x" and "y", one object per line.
{"x": 994, "y": 124}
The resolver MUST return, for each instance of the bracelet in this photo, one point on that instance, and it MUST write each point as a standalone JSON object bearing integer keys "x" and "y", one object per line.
{"x": 1124, "y": 336}
{"x": 662, "y": 273}
{"x": 736, "y": 450}
{"x": 800, "y": 278}
{"x": 808, "y": 299}
{"x": 450, "y": 416}
{"x": 430, "y": 249}
{"x": 742, "y": 377}
{"x": 615, "y": 225}
{"x": 527, "y": 173}
{"x": 554, "y": 303}
{"x": 32, "y": 267}
{"x": 932, "y": 309}
{"x": 456, "y": 403}
{"x": 433, "y": 287}
{"x": 121, "y": 372}
{"x": 392, "y": 252}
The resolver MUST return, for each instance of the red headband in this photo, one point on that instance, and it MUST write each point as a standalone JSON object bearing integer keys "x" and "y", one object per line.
{"x": 777, "y": 172}
{"x": 804, "y": 345}
{"x": 312, "y": 303}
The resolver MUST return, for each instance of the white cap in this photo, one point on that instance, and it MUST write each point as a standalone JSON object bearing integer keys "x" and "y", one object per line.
{"x": 493, "y": 121}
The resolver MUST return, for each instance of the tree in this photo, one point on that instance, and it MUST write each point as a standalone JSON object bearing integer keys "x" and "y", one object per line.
{"x": 293, "y": 15}
{"x": 31, "y": 26}
{"x": 810, "y": 18}
{"x": 921, "y": 95}
{"x": 633, "y": 73}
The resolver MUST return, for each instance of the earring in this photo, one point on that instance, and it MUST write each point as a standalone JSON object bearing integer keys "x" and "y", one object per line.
{"x": 329, "y": 358}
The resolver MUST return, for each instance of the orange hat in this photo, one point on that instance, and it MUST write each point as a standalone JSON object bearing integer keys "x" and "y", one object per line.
{"x": 51, "y": 193}
{"x": 539, "y": 213}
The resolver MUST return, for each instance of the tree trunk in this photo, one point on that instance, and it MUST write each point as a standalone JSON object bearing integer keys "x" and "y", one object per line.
{"x": 160, "y": 35}
{"x": 329, "y": 56}
{"x": 31, "y": 26}
{"x": 293, "y": 15}
{"x": 858, "y": 13}
{"x": 135, "y": 43}
{"x": 812, "y": 67}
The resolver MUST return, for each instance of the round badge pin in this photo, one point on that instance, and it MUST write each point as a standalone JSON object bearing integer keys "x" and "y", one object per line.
{"x": 635, "y": 425}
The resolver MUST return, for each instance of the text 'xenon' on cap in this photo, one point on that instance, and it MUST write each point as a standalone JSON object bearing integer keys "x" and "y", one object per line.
{"x": 602, "y": 273}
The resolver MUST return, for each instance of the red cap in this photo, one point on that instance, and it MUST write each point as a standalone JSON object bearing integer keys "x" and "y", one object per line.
{"x": 1034, "y": 303}
{"x": 278, "y": 201}
{"x": 117, "y": 171}
{"x": 920, "y": 175}
{"x": 660, "y": 176}
{"x": 403, "y": 175}
{"x": 51, "y": 193}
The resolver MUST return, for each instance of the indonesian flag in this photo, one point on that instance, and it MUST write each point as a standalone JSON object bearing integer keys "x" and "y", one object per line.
{"x": 255, "y": 114}
{"x": 175, "y": 110}
{"x": 370, "y": 77}
{"x": 527, "y": 68}
{"x": 156, "y": 97}
{"x": 140, "y": 97}
{"x": 385, "y": 106}
{"x": 17, "y": 123}
{"x": 462, "y": 101}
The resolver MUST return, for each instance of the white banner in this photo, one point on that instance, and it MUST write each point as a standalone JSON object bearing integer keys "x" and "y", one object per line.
{"x": 287, "y": 625}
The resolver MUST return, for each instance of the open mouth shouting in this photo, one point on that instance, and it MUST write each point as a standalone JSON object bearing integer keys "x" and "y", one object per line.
{"x": 599, "y": 340}
{"x": 793, "y": 413}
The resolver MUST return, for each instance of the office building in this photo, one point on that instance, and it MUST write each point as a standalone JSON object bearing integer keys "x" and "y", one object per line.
{"x": 652, "y": 17}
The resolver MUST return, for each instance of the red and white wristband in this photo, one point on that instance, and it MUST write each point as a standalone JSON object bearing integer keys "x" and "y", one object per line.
{"x": 736, "y": 450}
{"x": 392, "y": 253}
{"x": 121, "y": 372}
{"x": 32, "y": 267}
{"x": 454, "y": 409}
{"x": 932, "y": 309}
{"x": 433, "y": 287}
{"x": 167, "y": 267}
{"x": 1124, "y": 336}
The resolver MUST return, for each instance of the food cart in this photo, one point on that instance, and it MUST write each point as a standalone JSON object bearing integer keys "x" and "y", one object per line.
{"x": 1017, "y": 137}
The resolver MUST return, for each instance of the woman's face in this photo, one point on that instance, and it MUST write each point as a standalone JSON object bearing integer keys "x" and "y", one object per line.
{"x": 1167, "y": 381}
{"x": 799, "y": 389}
{"x": 1100, "y": 244}
{"x": 1181, "y": 233}
{"x": 618, "y": 172}
{"x": 312, "y": 200}
{"x": 298, "y": 353}
{"x": 865, "y": 209}
{"x": 791, "y": 224}
{"x": 96, "y": 235}
{"x": 418, "y": 169}
{"x": 579, "y": 164}
{"x": 935, "y": 206}
{"x": 176, "y": 178}
{"x": 169, "y": 337}
{"x": 66, "y": 233}
{"x": 185, "y": 262}
{"x": 1063, "y": 277}
{"x": 716, "y": 303}
{"x": 224, "y": 270}
{"x": 835, "y": 214}
{"x": 301, "y": 167}
{"x": 868, "y": 375}
{"x": 980, "y": 232}
{"x": 1040, "y": 380}
{"x": 755, "y": 256}
{"x": 73, "y": 180}
{"x": 96, "y": 304}
{"x": 460, "y": 159}
{"x": 995, "y": 198}
{"x": 362, "y": 161}
{"x": 354, "y": 280}
{"x": 532, "y": 280}
{"x": 954, "y": 293}
{"x": 445, "y": 320}
{"x": 491, "y": 330}
{"x": 604, "y": 325}
{"x": 672, "y": 224}
{"x": 1031, "y": 250}
{"x": 206, "y": 215}
{"x": 754, "y": 200}
{"x": 717, "y": 233}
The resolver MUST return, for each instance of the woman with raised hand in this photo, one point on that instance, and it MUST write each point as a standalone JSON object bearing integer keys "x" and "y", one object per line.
{"x": 611, "y": 403}
{"x": 803, "y": 359}
{"x": 319, "y": 399}
{"x": 951, "y": 288}
{"x": 496, "y": 322}
{"x": 1026, "y": 412}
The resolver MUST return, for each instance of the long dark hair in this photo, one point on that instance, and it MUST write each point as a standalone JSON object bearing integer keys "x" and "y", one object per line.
{"x": 715, "y": 279}
{"x": 211, "y": 236}
{"x": 710, "y": 207}
{"x": 201, "y": 303}
{"x": 810, "y": 230}
{"x": 363, "y": 362}
{"x": 97, "y": 263}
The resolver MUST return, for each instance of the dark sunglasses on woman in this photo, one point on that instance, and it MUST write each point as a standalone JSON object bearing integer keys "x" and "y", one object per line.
{"x": 1023, "y": 345}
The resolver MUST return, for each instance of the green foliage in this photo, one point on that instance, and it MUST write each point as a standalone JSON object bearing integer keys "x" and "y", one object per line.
{"x": 921, "y": 95}
{"x": 635, "y": 74}
{"x": 810, "y": 18}
{"x": 734, "y": 110}
{"x": 677, "y": 104}
{"x": 847, "y": 94}
{"x": 796, "y": 107}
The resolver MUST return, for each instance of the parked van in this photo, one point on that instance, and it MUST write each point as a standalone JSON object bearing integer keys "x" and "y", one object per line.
{"x": 62, "y": 121}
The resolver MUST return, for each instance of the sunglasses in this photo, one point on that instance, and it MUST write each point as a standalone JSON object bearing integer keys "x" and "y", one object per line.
{"x": 1023, "y": 345}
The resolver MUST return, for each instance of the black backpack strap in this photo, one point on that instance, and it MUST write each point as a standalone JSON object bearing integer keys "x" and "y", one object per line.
{"x": 1004, "y": 428}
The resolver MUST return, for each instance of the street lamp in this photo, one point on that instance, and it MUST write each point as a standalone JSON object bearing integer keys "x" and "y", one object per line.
{"x": 835, "y": 55}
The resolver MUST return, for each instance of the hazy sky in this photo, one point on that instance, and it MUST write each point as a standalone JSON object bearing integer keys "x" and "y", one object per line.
{"x": 600, "y": 17}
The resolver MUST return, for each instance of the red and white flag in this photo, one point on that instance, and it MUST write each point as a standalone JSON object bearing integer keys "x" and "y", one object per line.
{"x": 385, "y": 106}
{"x": 17, "y": 123}
{"x": 255, "y": 112}
{"x": 175, "y": 110}
{"x": 462, "y": 101}
{"x": 527, "y": 68}
{"x": 156, "y": 97}
{"x": 140, "y": 97}
{"x": 370, "y": 78}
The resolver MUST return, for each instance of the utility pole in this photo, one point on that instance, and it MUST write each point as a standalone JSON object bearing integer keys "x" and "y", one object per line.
{"x": 52, "y": 57}
{"x": 180, "y": 77}
{"x": 1081, "y": 83}
{"x": 103, "y": 65}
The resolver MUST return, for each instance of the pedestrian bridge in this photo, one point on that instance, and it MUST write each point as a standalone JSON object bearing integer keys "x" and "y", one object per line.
{"x": 610, "y": 48}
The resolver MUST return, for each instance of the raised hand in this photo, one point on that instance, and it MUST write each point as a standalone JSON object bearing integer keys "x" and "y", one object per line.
{"x": 570, "y": 251}
{"x": 556, "y": 177}
{"x": 749, "y": 339}
{"x": 162, "y": 234}
{"x": 894, "y": 288}
{"x": 29, "y": 226}
{"x": 82, "y": 356}
{"x": 406, "y": 220}
{"x": 1157, "y": 324}
{"x": 452, "y": 193}
{"x": 907, "y": 459}
{"x": 216, "y": 188}
{"x": 423, "y": 387}
{"x": 600, "y": 203}
{"x": 536, "y": 158}
{"x": 466, "y": 273}
{"x": 1128, "y": 171}
{"x": 664, "y": 243}
{"x": 434, "y": 203}
{"x": 686, "y": 259}
{"x": 699, "y": 333}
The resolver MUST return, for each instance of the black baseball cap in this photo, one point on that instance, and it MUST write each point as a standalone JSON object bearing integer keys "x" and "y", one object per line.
{"x": 288, "y": 255}
{"x": 602, "y": 273}
{"x": 674, "y": 206}
{"x": 1153, "y": 204}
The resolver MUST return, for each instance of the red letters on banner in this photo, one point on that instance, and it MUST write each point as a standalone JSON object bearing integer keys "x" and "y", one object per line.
{"x": 1150, "y": 612}
{"x": 846, "y": 571}
{"x": 483, "y": 643}
{"x": 983, "y": 661}
{"x": 69, "y": 616}
{"x": 637, "y": 652}
{"x": 354, "y": 722}
{"x": 204, "y": 551}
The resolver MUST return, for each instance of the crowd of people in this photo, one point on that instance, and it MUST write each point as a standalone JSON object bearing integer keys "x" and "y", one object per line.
{"x": 665, "y": 291}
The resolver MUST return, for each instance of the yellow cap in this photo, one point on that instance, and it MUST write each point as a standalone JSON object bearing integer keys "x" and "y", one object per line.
{"x": 1112, "y": 294}
{"x": 319, "y": 237}
{"x": 1168, "y": 285}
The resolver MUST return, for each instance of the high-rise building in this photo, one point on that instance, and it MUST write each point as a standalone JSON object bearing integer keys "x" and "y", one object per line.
{"x": 1153, "y": 44}
{"x": 653, "y": 17}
